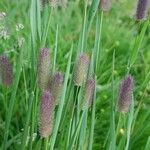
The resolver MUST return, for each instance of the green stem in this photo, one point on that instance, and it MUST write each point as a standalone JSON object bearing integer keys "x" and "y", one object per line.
{"x": 46, "y": 144}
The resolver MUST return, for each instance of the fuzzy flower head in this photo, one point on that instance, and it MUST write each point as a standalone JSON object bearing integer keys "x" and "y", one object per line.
{"x": 105, "y": 5}
{"x": 142, "y": 9}
{"x": 46, "y": 114}
{"x": 44, "y": 68}
{"x": 56, "y": 86}
{"x": 6, "y": 73}
{"x": 89, "y": 93}
{"x": 81, "y": 69}
{"x": 125, "y": 94}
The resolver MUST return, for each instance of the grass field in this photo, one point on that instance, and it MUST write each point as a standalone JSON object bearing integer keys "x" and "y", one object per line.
{"x": 116, "y": 44}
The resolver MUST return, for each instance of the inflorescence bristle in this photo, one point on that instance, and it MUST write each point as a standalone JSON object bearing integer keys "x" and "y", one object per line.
{"x": 141, "y": 12}
{"x": 6, "y": 73}
{"x": 125, "y": 94}
{"x": 56, "y": 86}
{"x": 105, "y": 5}
{"x": 89, "y": 94}
{"x": 44, "y": 66}
{"x": 46, "y": 114}
{"x": 81, "y": 69}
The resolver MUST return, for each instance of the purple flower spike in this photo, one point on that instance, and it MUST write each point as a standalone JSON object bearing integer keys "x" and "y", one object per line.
{"x": 105, "y": 5}
{"x": 44, "y": 68}
{"x": 56, "y": 86}
{"x": 89, "y": 94}
{"x": 125, "y": 94}
{"x": 141, "y": 12}
{"x": 46, "y": 115}
{"x": 6, "y": 73}
{"x": 81, "y": 69}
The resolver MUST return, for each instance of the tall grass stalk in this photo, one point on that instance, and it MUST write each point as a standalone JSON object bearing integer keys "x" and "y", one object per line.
{"x": 61, "y": 103}
{"x": 25, "y": 134}
{"x": 91, "y": 137}
{"x": 76, "y": 132}
{"x": 129, "y": 123}
{"x": 12, "y": 99}
{"x": 88, "y": 19}
{"x": 83, "y": 131}
{"x": 137, "y": 45}
{"x": 112, "y": 145}
{"x": 55, "y": 50}
{"x": 46, "y": 140}
{"x": 97, "y": 47}
{"x": 147, "y": 147}
{"x": 46, "y": 19}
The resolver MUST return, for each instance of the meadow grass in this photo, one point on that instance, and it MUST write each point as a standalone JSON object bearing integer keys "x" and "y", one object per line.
{"x": 117, "y": 46}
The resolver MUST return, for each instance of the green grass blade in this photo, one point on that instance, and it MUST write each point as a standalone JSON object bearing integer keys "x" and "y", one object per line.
{"x": 147, "y": 147}
{"x": 25, "y": 134}
{"x": 92, "y": 123}
{"x": 76, "y": 132}
{"x": 112, "y": 145}
{"x": 92, "y": 12}
{"x": 83, "y": 129}
{"x": 84, "y": 29}
{"x": 47, "y": 19}
{"x": 55, "y": 51}
{"x": 98, "y": 41}
{"x": 129, "y": 123}
{"x": 137, "y": 44}
{"x": 33, "y": 22}
{"x": 13, "y": 99}
{"x": 39, "y": 19}
{"x": 61, "y": 104}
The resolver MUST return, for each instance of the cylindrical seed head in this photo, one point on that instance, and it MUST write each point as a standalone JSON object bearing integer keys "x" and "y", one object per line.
{"x": 125, "y": 94}
{"x": 89, "y": 94}
{"x": 46, "y": 114}
{"x": 56, "y": 86}
{"x": 81, "y": 69}
{"x": 105, "y": 5}
{"x": 6, "y": 73}
{"x": 142, "y": 9}
{"x": 44, "y": 68}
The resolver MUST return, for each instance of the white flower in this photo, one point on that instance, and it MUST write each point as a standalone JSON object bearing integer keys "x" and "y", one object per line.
{"x": 20, "y": 41}
{"x": 19, "y": 27}
{"x": 2, "y": 15}
{"x": 4, "y": 33}
{"x": 34, "y": 136}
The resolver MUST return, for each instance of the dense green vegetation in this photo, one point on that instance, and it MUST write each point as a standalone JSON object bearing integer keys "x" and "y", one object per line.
{"x": 117, "y": 45}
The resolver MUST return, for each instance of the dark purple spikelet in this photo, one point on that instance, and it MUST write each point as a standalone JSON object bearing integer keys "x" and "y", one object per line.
{"x": 125, "y": 94}
{"x": 44, "y": 68}
{"x": 6, "y": 73}
{"x": 142, "y": 9}
{"x": 81, "y": 69}
{"x": 46, "y": 114}
{"x": 89, "y": 94}
{"x": 56, "y": 86}
{"x": 105, "y": 5}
